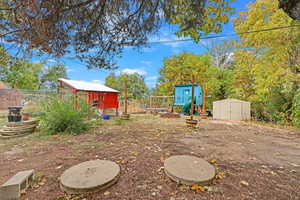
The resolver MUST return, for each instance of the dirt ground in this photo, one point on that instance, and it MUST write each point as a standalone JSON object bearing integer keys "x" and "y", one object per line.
{"x": 252, "y": 161}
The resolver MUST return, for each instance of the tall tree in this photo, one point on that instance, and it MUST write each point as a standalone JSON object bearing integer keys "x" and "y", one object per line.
{"x": 135, "y": 82}
{"x": 99, "y": 29}
{"x": 268, "y": 63}
{"x": 50, "y": 75}
{"x": 21, "y": 74}
{"x": 221, "y": 52}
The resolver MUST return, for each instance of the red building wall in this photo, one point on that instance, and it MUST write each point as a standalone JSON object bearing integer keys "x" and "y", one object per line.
{"x": 104, "y": 100}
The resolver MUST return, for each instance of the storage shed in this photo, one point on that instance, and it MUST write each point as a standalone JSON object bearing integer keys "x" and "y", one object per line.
{"x": 101, "y": 96}
{"x": 231, "y": 109}
{"x": 183, "y": 94}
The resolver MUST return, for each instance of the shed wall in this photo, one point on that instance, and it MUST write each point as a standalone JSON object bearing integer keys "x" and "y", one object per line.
{"x": 231, "y": 109}
{"x": 183, "y": 94}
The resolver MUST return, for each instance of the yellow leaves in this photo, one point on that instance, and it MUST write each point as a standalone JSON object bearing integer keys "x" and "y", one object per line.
{"x": 135, "y": 153}
{"x": 244, "y": 183}
{"x": 39, "y": 181}
{"x": 213, "y": 161}
{"x": 162, "y": 159}
{"x": 220, "y": 175}
{"x": 197, "y": 188}
{"x": 272, "y": 173}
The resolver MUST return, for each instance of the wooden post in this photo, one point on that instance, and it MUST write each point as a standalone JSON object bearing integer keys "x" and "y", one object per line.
{"x": 193, "y": 93}
{"x": 61, "y": 89}
{"x": 125, "y": 98}
{"x": 75, "y": 100}
{"x": 204, "y": 99}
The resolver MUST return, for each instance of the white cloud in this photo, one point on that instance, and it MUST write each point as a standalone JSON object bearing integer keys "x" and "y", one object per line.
{"x": 140, "y": 71}
{"x": 151, "y": 78}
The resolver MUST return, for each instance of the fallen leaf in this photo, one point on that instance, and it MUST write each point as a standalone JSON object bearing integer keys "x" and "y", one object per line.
{"x": 197, "y": 188}
{"x": 244, "y": 183}
{"x": 220, "y": 175}
{"x": 213, "y": 161}
{"x": 272, "y": 173}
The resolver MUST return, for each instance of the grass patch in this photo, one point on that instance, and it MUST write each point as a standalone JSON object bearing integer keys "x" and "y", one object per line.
{"x": 2, "y": 121}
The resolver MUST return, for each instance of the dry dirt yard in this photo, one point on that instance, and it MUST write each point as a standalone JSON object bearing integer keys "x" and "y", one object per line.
{"x": 252, "y": 161}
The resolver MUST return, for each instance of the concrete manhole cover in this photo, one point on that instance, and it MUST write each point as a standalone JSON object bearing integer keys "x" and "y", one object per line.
{"x": 89, "y": 176}
{"x": 189, "y": 170}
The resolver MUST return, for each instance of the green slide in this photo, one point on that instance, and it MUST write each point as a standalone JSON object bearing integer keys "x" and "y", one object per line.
{"x": 187, "y": 108}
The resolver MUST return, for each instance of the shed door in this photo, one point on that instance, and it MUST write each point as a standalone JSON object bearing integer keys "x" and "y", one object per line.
{"x": 235, "y": 111}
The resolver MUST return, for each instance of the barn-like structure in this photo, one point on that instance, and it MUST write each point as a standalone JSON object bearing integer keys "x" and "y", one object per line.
{"x": 101, "y": 96}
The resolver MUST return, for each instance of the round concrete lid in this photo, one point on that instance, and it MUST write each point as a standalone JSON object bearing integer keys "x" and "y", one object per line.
{"x": 89, "y": 176}
{"x": 189, "y": 170}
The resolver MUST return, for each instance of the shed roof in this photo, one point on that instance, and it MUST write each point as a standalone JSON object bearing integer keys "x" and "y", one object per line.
{"x": 88, "y": 86}
{"x": 232, "y": 100}
{"x": 186, "y": 85}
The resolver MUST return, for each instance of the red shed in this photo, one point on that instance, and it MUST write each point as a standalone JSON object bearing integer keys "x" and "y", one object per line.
{"x": 97, "y": 94}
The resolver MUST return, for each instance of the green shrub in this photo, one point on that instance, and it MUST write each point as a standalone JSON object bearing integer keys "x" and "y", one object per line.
{"x": 59, "y": 116}
{"x": 296, "y": 110}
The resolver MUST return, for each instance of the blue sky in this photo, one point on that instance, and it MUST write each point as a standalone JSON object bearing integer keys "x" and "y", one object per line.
{"x": 147, "y": 62}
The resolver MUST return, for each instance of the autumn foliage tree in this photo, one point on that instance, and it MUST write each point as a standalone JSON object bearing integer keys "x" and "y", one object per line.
{"x": 268, "y": 63}
{"x": 136, "y": 86}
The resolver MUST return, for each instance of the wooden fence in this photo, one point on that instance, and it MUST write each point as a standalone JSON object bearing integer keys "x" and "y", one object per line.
{"x": 10, "y": 97}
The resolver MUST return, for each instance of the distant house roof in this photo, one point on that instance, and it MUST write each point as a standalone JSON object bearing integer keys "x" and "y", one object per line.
{"x": 2, "y": 85}
{"x": 87, "y": 86}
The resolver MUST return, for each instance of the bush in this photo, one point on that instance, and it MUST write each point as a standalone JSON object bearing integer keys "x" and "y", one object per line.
{"x": 59, "y": 116}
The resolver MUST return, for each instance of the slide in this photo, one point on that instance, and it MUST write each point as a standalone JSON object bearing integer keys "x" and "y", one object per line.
{"x": 187, "y": 108}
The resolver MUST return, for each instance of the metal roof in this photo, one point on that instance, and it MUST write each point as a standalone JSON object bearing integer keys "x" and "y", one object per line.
{"x": 87, "y": 86}
{"x": 232, "y": 100}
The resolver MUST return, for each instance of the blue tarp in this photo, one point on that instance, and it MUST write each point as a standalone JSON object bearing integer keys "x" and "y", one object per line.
{"x": 183, "y": 94}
